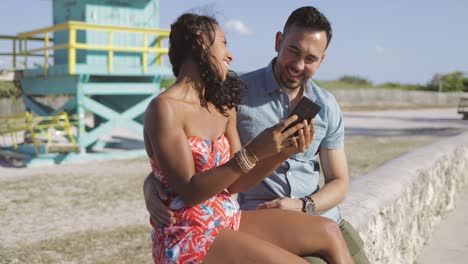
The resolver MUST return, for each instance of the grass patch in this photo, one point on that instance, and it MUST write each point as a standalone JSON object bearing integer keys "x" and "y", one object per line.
{"x": 348, "y": 85}
{"x": 340, "y": 85}
{"x": 130, "y": 244}
{"x": 367, "y": 153}
{"x": 8, "y": 89}
{"x": 84, "y": 190}
{"x": 98, "y": 195}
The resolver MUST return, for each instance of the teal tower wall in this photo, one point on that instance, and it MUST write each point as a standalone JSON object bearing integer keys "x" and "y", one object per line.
{"x": 123, "y": 13}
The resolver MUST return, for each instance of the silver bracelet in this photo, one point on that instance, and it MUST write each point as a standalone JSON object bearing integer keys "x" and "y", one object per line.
{"x": 243, "y": 161}
{"x": 249, "y": 150}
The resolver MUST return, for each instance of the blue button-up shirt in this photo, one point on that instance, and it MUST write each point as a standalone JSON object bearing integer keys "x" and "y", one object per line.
{"x": 265, "y": 104}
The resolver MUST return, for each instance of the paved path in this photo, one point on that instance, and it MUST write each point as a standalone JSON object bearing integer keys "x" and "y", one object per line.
{"x": 449, "y": 243}
{"x": 440, "y": 122}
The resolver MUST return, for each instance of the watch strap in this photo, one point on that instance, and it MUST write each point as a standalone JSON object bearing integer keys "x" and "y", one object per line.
{"x": 308, "y": 200}
{"x": 304, "y": 202}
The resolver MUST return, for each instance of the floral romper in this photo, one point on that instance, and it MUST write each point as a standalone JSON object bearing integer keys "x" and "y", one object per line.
{"x": 189, "y": 239}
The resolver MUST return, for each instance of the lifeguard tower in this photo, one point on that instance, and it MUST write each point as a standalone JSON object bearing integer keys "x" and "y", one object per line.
{"x": 107, "y": 60}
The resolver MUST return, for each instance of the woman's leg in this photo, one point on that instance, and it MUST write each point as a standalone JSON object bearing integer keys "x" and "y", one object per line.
{"x": 298, "y": 233}
{"x": 234, "y": 247}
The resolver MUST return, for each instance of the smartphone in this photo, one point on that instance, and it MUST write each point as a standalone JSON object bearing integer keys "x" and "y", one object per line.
{"x": 305, "y": 110}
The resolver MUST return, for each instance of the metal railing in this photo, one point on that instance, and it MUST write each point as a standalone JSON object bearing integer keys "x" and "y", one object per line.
{"x": 15, "y": 47}
{"x": 40, "y": 129}
{"x": 73, "y": 45}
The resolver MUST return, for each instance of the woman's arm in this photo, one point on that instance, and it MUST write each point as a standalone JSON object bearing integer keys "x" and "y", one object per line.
{"x": 267, "y": 166}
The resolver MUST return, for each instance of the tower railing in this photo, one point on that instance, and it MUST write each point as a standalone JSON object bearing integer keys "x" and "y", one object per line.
{"x": 14, "y": 41}
{"x": 73, "y": 45}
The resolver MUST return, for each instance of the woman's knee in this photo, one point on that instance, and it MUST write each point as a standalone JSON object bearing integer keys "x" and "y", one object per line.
{"x": 332, "y": 228}
{"x": 328, "y": 232}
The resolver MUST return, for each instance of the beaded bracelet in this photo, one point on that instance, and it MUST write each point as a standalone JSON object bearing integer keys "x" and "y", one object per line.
{"x": 247, "y": 160}
{"x": 252, "y": 154}
{"x": 243, "y": 161}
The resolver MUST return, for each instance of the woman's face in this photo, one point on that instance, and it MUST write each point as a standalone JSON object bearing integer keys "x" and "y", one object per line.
{"x": 220, "y": 56}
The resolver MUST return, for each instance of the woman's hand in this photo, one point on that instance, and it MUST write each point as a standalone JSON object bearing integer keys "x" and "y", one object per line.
{"x": 300, "y": 143}
{"x": 275, "y": 139}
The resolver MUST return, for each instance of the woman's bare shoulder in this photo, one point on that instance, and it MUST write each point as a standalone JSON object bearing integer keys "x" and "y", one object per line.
{"x": 166, "y": 101}
{"x": 171, "y": 99}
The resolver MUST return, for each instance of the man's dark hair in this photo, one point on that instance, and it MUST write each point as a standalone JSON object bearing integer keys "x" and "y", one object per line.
{"x": 310, "y": 18}
{"x": 189, "y": 37}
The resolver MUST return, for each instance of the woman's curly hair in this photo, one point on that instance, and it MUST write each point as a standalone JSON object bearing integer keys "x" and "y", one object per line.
{"x": 189, "y": 34}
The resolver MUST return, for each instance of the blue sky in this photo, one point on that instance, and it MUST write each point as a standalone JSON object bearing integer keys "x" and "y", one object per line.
{"x": 382, "y": 40}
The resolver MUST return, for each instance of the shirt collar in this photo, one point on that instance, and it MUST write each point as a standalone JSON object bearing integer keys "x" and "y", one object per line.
{"x": 310, "y": 90}
{"x": 271, "y": 85}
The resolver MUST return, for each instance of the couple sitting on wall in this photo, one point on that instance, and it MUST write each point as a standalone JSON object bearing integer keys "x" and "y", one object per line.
{"x": 211, "y": 135}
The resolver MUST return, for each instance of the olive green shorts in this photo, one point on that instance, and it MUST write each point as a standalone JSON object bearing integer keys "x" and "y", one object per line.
{"x": 355, "y": 245}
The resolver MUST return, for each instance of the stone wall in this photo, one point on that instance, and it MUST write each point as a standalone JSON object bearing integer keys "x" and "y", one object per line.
{"x": 10, "y": 106}
{"x": 396, "y": 97}
{"x": 396, "y": 207}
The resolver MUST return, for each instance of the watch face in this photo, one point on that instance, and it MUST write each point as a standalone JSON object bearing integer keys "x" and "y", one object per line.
{"x": 309, "y": 208}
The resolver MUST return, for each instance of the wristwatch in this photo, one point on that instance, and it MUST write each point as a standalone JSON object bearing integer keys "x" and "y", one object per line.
{"x": 308, "y": 205}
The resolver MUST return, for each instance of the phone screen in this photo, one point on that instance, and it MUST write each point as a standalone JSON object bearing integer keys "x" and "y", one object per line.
{"x": 305, "y": 110}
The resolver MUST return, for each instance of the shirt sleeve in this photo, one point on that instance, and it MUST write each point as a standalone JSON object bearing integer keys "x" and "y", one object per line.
{"x": 334, "y": 138}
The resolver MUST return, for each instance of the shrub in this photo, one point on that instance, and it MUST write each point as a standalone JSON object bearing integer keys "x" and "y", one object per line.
{"x": 8, "y": 89}
{"x": 355, "y": 80}
{"x": 465, "y": 84}
{"x": 402, "y": 86}
{"x": 390, "y": 85}
{"x": 451, "y": 82}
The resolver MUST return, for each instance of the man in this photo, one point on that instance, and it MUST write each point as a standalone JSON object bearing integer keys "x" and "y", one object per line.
{"x": 272, "y": 93}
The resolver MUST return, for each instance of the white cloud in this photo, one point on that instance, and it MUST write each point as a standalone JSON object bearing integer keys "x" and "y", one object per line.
{"x": 238, "y": 27}
{"x": 379, "y": 49}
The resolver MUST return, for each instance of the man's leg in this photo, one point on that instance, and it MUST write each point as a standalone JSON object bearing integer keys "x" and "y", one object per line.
{"x": 354, "y": 242}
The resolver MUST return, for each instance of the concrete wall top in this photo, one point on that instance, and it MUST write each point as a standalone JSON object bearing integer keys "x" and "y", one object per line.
{"x": 396, "y": 207}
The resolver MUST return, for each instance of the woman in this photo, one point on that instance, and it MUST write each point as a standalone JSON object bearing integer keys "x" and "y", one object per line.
{"x": 192, "y": 141}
